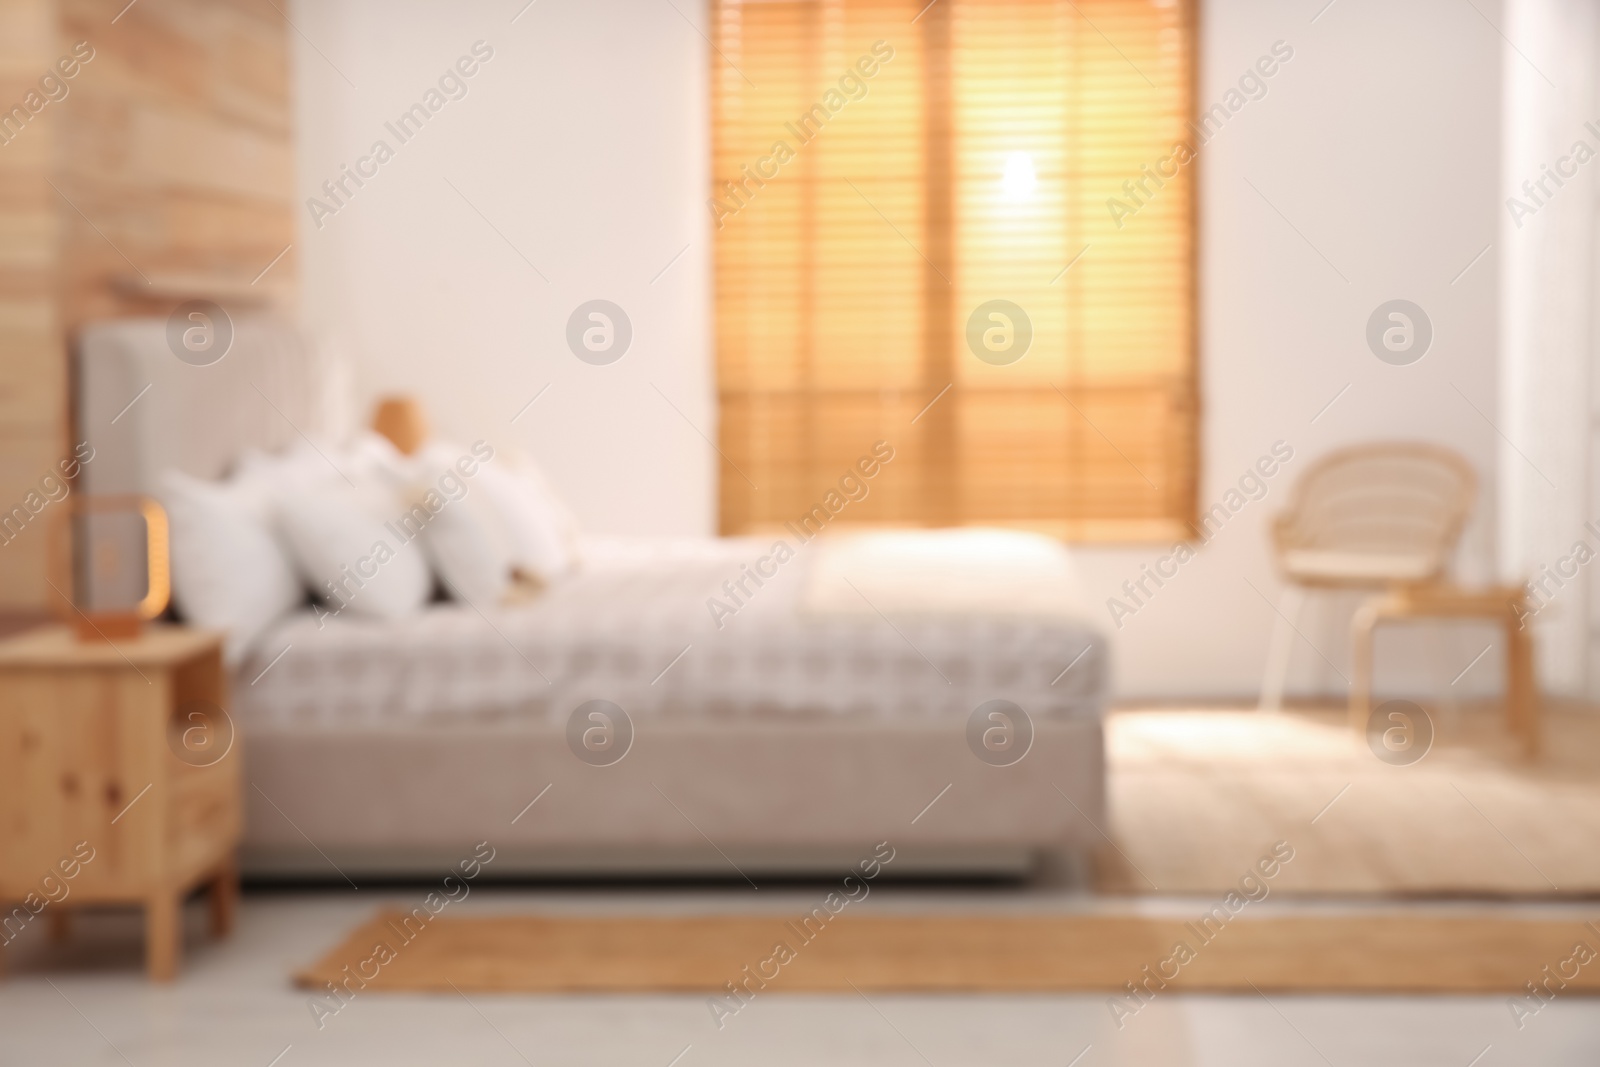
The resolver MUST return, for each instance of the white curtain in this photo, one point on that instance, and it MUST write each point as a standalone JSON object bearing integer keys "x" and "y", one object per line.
{"x": 1549, "y": 247}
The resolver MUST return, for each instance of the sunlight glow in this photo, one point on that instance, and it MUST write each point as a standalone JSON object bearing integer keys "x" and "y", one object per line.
{"x": 1019, "y": 180}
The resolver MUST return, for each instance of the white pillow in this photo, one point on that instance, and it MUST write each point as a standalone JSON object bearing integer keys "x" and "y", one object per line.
{"x": 340, "y": 523}
{"x": 229, "y": 572}
{"x": 466, "y": 538}
{"x": 369, "y": 460}
{"x": 538, "y": 528}
{"x": 372, "y": 457}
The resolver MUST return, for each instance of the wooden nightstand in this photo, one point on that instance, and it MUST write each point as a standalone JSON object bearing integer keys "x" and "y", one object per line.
{"x": 125, "y": 747}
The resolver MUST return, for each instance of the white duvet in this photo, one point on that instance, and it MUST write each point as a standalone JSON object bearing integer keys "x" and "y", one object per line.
{"x": 893, "y": 624}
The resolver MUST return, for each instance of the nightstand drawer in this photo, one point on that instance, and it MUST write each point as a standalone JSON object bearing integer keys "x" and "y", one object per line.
{"x": 202, "y": 818}
{"x": 201, "y": 805}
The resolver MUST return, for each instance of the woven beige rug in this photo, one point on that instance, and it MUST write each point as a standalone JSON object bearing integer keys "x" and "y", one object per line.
{"x": 967, "y": 952}
{"x": 1195, "y": 796}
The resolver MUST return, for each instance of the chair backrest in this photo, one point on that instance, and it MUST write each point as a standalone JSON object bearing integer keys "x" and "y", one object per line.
{"x": 1399, "y": 498}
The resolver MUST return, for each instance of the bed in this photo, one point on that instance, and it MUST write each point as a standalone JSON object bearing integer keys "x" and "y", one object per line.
{"x": 849, "y": 699}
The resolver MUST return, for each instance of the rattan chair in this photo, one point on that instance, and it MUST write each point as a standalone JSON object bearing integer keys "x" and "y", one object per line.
{"x": 1382, "y": 516}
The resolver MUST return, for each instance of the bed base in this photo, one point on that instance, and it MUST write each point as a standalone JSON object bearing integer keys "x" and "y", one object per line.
{"x": 688, "y": 799}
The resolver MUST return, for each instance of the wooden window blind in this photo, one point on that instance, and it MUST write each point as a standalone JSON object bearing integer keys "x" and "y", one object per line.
{"x": 882, "y": 171}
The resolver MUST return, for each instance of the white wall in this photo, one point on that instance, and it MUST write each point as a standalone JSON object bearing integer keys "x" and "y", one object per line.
{"x": 585, "y": 141}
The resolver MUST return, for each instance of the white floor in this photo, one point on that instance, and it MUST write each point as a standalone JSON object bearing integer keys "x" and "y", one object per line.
{"x": 86, "y": 1003}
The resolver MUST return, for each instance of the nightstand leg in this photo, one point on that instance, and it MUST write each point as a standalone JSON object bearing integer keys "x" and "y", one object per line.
{"x": 223, "y": 897}
{"x": 163, "y": 934}
{"x": 60, "y": 924}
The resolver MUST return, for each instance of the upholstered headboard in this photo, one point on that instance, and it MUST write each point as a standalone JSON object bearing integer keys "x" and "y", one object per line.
{"x": 144, "y": 410}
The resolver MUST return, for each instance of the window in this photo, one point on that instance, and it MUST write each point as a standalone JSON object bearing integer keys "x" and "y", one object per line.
{"x": 961, "y": 229}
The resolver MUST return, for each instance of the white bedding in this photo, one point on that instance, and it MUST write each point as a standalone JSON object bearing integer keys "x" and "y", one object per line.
{"x": 847, "y": 627}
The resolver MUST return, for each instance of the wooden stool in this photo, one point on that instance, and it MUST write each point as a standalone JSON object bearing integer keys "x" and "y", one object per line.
{"x": 1441, "y": 600}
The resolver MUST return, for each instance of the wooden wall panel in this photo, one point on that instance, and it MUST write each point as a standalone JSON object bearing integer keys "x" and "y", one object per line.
{"x": 33, "y": 372}
{"x": 180, "y": 151}
{"x": 171, "y": 156}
